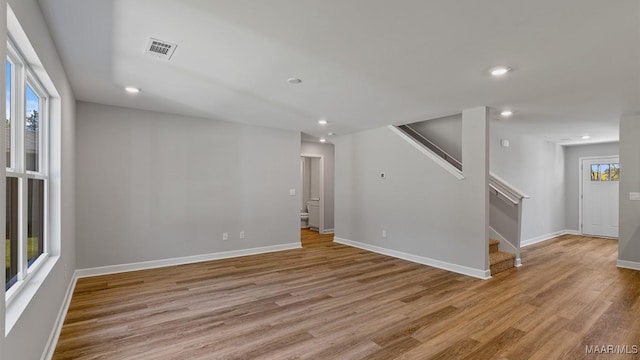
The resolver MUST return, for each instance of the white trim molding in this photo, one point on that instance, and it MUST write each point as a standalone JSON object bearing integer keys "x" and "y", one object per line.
{"x": 633, "y": 265}
{"x": 153, "y": 264}
{"x": 464, "y": 270}
{"x": 62, "y": 314}
{"x": 541, "y": 238}
{"x": 327, "y": 231}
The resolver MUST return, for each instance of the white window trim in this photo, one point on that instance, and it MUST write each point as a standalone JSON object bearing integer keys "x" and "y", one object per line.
{"x": 21, "y": 76}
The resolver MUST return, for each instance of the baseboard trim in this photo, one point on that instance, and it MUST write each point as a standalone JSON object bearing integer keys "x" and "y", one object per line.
{"x": 50, "y": 348}
{"x": 633, "y": 265}
{"x": 464, "y": 270}
{"x": 541, "y": 238}
{"x": 114, "y": 269}
{"x": 327, "y": 231}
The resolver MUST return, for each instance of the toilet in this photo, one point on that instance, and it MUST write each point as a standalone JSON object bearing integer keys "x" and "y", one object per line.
{"x": 304, "y": 219}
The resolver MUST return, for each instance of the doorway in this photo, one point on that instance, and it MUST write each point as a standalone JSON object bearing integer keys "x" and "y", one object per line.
{"x": 312, "y": 185}
{"x": 599, "y": 196}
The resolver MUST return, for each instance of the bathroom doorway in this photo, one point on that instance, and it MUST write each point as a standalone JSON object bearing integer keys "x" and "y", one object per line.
{"x": 316, "y": 193}
{"x": 312, "y": 194}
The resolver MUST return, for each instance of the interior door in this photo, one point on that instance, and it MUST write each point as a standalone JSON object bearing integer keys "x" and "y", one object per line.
{"x": 600, "y": 187}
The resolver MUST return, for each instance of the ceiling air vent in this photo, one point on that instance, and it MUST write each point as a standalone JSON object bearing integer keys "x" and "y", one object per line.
{"x": 160, "y": 49}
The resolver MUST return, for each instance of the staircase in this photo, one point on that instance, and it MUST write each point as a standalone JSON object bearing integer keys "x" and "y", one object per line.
{"x": 499, "y": 260}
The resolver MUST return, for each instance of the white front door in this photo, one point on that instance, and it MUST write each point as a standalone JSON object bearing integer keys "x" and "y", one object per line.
{"x": 600, "y": 184}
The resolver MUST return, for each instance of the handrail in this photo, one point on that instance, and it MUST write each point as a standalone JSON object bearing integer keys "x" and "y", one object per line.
{"x": 499, "y": 194}
{"x": 505, "y": 189}
{"x": 432, "y": 146}
{"x": 496, "y": 183}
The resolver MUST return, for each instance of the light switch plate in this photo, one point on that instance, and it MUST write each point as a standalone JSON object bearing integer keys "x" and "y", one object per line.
{"x": 635, "y": 196}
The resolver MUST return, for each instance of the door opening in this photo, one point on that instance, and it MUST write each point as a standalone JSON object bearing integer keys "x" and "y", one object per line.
{"x": 599, "y": 196}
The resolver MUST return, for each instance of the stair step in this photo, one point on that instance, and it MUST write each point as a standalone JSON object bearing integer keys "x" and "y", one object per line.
{"x": 501, "y": 261}
{"x": 493, "y": 245}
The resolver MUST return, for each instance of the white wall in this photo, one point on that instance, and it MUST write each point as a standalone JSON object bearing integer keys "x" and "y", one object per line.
{"x": 424, "y": 209}
{"x": 328, "y": 153}
{"x": 155, "y": 186}
{"x": 28, "y": 337}
{"x": 537, "y": 168}
{"x": 629, "y": 239}
{"x": 572, "y": 176}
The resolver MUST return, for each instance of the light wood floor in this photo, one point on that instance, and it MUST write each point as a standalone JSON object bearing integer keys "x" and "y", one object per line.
{"x": 311, "y": 238}
{"x": 338, "y": 302}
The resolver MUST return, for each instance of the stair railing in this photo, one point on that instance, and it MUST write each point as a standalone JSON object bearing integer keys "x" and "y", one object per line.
{"x": 498, "y": 187}
{"x": 430, "y": 145}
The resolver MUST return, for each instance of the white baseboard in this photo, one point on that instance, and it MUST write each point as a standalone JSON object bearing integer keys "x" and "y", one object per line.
{"x": 50, "y": 348}
{"x": 628, "y": 264}
{"x": 541, "y": 238}
{"x": 476, "y": 273}
{"x": 327, "y": 231}
{"x": 113, "y": 269}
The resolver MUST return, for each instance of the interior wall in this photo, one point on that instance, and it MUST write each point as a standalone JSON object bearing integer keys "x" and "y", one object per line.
{"x": 328, "y": 153}
{"x": 537, "y": 168}
{"x": 314, "y": 178}
{"x": 572, "y": 176}
{"x": 28, "y": 337}
{"x": 629, "y": 239}
{"x": 157, "y": 186}
{"x": 423, "y": 209}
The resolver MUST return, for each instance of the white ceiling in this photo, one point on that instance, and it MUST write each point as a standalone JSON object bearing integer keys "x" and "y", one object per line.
{"x": 364, "y": 63}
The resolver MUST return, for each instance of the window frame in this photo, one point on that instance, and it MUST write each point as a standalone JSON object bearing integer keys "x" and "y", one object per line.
{"x": 597, "y": 175}
{"x": 21, "y": 76}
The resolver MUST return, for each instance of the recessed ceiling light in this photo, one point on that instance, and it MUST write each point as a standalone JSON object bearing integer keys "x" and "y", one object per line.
{"x": 132, "y": 89}
{"x": 585, "y": 137}
{"x": 506, "y": 113}
{"x": 499, "y": 70}
{"x": 331, "y": 134}
{"x": 294, "y": 81}
{"x": 323, "y": 140}
{"x": 322, "y": 122}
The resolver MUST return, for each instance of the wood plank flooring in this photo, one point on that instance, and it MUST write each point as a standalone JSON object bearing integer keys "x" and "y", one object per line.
{"x": 329, "y": 301}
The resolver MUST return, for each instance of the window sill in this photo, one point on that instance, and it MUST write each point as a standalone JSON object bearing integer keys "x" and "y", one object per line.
{"x": 20, "y": 300}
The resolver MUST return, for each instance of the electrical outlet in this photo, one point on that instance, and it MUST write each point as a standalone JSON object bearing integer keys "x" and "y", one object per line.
{"x": 241, "y": 234}
{"x": 225, "y": 236}
{"x": 384, "y": 234}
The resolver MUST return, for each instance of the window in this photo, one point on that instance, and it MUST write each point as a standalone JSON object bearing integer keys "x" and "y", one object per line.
{"x": 605, "y": 172}
{"x": 27, "y": 166}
